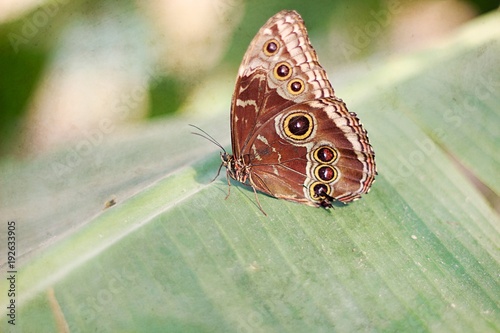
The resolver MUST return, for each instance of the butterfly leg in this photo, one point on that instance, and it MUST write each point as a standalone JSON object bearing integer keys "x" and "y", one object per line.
{"x": 256, "y": 196}
{"x": 228, "y": 184}
{"x": 326, "y": 201}
{"x": 258, "y": 202}
{"x": 218, "y": 173}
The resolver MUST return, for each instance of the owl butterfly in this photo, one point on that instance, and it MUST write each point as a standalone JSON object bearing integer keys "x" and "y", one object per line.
{"x": 291, "y": 137}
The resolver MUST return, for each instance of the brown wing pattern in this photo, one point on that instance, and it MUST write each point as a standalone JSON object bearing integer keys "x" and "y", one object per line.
{"x": 260, "y": 93}
{"x": 291, "y": 137}
{"x": 286, "y": 168}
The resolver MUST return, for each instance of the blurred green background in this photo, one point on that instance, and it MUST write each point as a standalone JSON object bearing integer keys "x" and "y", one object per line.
{"x": 65, "y": 67}
{"x": 96, "y": 98}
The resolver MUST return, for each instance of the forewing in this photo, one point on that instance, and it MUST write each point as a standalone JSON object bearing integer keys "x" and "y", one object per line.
{"x": 260, "y": 91}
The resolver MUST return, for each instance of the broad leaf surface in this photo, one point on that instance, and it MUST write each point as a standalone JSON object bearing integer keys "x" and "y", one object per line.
{"x": 419, "y": 253}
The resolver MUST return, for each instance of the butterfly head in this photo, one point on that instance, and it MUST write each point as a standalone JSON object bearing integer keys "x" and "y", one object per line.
{"x": 227, "y": 160}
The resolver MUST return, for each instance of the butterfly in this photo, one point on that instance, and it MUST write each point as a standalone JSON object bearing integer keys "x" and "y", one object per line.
{"x": 291, "y": 137}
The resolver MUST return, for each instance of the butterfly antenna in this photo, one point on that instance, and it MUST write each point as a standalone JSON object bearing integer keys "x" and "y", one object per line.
{"x": 207, "y": 136}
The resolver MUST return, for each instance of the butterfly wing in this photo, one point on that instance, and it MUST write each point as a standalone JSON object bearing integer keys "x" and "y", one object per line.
{"x": 300, "y": 141}
{"x": 333, "y": 158}
{"x": 260, "y": 91}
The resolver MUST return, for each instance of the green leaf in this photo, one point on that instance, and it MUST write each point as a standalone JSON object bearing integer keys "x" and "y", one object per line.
{"x": 419, "y": 253}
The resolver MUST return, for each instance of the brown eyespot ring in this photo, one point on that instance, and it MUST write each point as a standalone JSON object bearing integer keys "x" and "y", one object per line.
{"x": 296, "y": 86}
{"x": 318, "y": 191}
{"x": 271, "y": 47}
{"x": 325, "y": 154}
{"x": 282, "y": 71}
{"x": 326, "y": 173}
{"x": 298, "y": 125}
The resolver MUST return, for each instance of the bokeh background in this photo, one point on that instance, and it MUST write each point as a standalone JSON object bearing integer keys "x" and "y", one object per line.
{"x": 70, "y": 68}
{"x": 119, "y": 227}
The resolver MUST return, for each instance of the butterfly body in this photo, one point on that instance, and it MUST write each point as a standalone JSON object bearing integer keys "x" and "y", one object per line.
{"x": 291, "y": 137}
